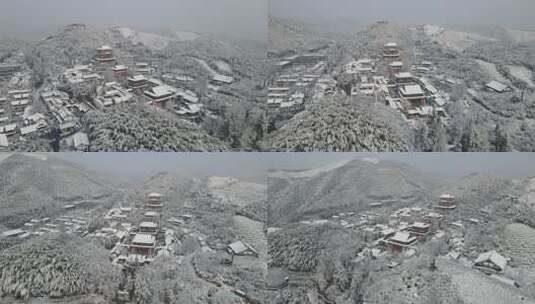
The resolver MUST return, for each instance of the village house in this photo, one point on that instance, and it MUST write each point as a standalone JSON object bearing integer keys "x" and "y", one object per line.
{"x": 80, "y": 74}
{"x": 190, "y": 111}
{"x": 68, "y": 127}
{"x": 111, "y": 93}
{"x": 9, "y": 130}
{"x": 7, "y": 70}
{"x": 490, "y": 262}
{"x": 13, "y": 233}
{"x": 20, "y": 99}
{"x": 219, "y": 79}
{"x": 240, "y": 248}
{"x": 4, "y": 143}
{"x": 80, "y": 141}
{"x": 307, "y": 60}
{"x": 497, "y": 87}
{"x": 292, "y": 106}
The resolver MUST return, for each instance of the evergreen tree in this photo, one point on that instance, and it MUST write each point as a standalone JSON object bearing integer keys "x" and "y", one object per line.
{"x": 438, "y": 137}
{"x": 421, "y": 138}
{"x": 473, "y": 139}
{"x": 500, "y": 142}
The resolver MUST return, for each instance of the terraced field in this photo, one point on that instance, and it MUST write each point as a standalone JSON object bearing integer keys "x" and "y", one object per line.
{"x": 519, "y": 241}
{"x": 235, "y": 192}
{"x": 252, "y": 232}
{"x": 477, "y": 288}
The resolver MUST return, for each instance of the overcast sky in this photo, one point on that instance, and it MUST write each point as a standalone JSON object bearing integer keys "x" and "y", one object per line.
{"x": 255, "y": 166}
{"x": 518, "y": 13}
{"x": 243, "y": 18}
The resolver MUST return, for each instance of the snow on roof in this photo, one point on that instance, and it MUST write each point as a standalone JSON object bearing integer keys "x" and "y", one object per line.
{"x": 403, "y": 75}
{"x": 497, "y": 86}
{"x": 144, "y": 239}
{"x": 429, "y": 86}
{"x": 402, "y": 237}
{"x": 148, "y": 225}
{"x": 28, "y": 129}
{"x": 14, "y": 232}
{"x": 119, "y": 67}
{"x": 493, "y": 257}
{"x": 8, "y": 128}
{"x": 104, "y": 48}
{"x": 447, "y": 195}
{"x": 138, "y": 78}
{"x": 3, "y": 141}
{"x": 154, "y": 194}
{"x": 80, "y": 139}
{"x": 151, "y": 214}
{"x": 239, "y": 247}
{"x": 223, "y": 78}
{"x": 388, "y": 231}
{"x": 413, "y": 89}
{"x": 396, "y": 64}
{"x": 427, "y": 110}
{"x": 420, "y": 225}
{"x": 391, "y": 44}
{"x": 159, "y": 91}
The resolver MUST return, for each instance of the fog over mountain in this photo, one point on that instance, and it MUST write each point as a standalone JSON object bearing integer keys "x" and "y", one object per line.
{"x": 241, "y": 18}
{"x": 254, "y": 166}
{"x": 472, "y": 12}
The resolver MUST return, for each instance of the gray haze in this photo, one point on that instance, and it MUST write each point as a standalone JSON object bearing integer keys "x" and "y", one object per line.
{"x": 32, "y": 18}
{"x": 514, "y": 13}
{"x": 445, "y": 165}
{"x": 255, "y": 166}
{"x": 140, "y": 166}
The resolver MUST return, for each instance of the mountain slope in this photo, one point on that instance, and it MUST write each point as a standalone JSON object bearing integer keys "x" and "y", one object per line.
{"x": 352, "y": 187}
{"x": 37, "y": 187}
{"x": 286, "y": 35}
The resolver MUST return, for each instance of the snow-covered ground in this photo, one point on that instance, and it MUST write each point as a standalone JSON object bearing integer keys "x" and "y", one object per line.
{"x": 491, "y": 70}
{"x": 153, "y": 41}
{"x": 311, "y": 172}
{"x": 522, "y": 73}
{"x": 206, "y": 66}
{"x": 433, "y": 30}
{"x": 185, "y": 36}
{"x": 223, "y": 66}
{"x": 232, "y": 191}
{"x": 522, "y": 36}
{"x": 456, "y": 40}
